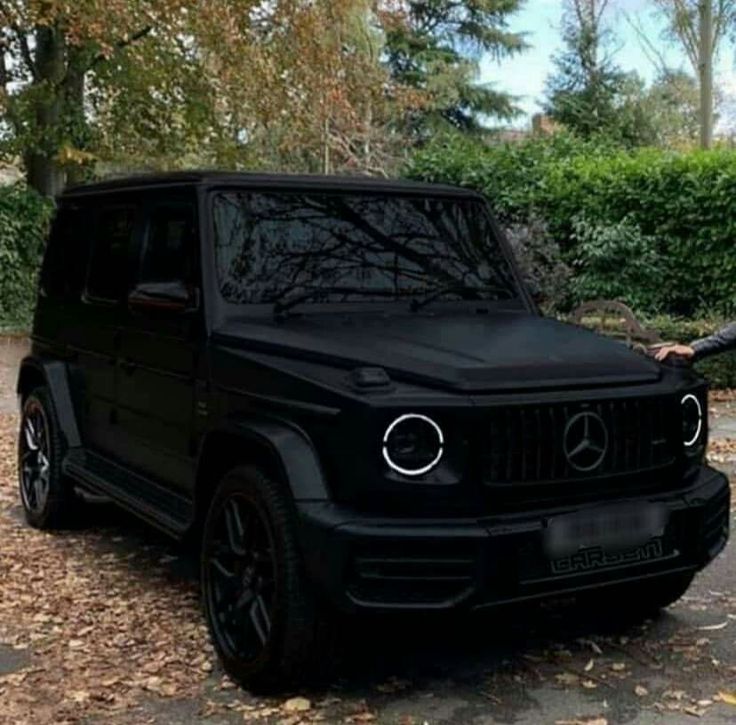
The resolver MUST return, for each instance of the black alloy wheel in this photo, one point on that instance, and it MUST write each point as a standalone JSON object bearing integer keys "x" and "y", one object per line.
{"x": 241, "y": 574}
{"x": 267, "y": 623}
{"x": 34, "y": 457}
{"x": 48, "y": 497}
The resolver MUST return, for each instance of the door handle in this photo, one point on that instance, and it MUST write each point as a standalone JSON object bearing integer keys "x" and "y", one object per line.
{"x": 128, "y": 366}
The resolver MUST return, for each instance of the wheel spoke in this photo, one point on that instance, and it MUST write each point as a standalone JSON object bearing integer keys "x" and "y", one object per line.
{"x": 246, "y": 598}
{"x": 234, "y": 527}
{"x": 30, "y": 436}
{"x": 260, "y": 619}
{"x": 29, "y": 489}
{"x": 43, "y": 463}
{"x": 222, "y": 570}
{"x": 39, "y": 488}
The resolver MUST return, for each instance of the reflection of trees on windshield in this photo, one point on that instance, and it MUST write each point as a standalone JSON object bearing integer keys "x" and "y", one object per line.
{"x": 273, "y": 246}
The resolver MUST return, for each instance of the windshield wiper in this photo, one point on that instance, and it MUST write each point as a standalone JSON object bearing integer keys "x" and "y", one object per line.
{"x": 417, "y": 305}
{"x": 282, "y": 306}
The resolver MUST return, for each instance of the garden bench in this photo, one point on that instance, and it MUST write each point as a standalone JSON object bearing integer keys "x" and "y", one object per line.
{"x": 615, "y": 319}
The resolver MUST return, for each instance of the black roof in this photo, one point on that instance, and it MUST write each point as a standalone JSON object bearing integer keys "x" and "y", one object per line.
{"x": 272, "y": 181}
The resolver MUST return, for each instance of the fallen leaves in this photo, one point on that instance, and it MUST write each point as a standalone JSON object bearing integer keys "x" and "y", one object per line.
{"x": 714, "y": 627}
{"x": 297, "y": 704}
{"x": 107, "y": 626}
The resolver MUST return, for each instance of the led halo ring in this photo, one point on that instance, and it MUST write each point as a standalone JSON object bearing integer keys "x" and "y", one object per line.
{"x": 417, "y": 471}
{"x": 687, "y": 397}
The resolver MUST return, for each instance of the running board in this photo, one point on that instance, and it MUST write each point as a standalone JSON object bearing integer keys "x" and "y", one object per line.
{"x": 171, "y": 513}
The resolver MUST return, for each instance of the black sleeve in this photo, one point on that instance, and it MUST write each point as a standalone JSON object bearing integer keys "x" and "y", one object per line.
{"x": 721, "y": 341}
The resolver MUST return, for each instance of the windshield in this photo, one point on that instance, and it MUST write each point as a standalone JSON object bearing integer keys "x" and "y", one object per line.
{"x": 284, "y": 248}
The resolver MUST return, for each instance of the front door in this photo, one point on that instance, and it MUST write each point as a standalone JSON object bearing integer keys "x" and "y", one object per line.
{"x": 159, "y": 352}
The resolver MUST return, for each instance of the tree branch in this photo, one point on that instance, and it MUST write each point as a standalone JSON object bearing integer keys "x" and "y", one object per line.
{"x": 123, "y": 43}
{"x": 5, "y": 80}
{"x": 25, "y": 51}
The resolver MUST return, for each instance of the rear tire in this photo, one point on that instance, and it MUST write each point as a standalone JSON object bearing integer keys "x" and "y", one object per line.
{"x": 266, "y": 622}
{"x": 47, "y": 496}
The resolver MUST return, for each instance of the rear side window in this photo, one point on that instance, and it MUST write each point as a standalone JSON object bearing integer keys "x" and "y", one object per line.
{"x": 169, "y": 243}
{"x": 67, "y": 254}
{"x": 108, "y": 271}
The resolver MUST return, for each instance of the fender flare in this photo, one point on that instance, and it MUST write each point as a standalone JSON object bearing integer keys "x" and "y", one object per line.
{"x": 55, "y": 375}
{"x": 291, "y": 450}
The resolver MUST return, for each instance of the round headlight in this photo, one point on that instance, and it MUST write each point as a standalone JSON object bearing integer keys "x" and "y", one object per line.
{"x": 413, "y": 444}
{"x": 692, "y": 419}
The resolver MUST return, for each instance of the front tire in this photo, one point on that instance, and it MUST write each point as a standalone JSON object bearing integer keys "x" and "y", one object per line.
{"x": 264, "y": 618}
{"x": 46, "y": 494}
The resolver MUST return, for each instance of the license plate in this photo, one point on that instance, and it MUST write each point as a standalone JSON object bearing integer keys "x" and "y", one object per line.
{"x": 610, "y": 529}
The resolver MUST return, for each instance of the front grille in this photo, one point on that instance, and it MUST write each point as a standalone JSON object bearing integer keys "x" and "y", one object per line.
{"x": 525, "y": 444}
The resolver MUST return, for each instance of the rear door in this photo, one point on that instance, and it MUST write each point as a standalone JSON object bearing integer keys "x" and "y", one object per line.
{"x": 94, "y": 338}
{"x": 60, "y": 311}
{"x": 159, "y": 349}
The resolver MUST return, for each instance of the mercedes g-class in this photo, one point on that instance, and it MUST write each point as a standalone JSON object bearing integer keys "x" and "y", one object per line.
{"x": 342, "y": 388}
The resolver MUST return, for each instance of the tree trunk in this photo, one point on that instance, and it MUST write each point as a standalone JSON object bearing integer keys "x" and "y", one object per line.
{"x": 43, "y": 170}
{"x": 44, "y": 174}
{"x": 705, "y": 13}
{"x": 75, "y": 120}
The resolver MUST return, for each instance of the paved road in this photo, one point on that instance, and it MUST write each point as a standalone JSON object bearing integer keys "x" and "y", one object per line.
{"x": 12, "y": 351}
{"x": 101, "y": 625}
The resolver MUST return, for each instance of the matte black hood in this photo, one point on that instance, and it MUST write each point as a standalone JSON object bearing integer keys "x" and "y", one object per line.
{"x": 469, "y": 352}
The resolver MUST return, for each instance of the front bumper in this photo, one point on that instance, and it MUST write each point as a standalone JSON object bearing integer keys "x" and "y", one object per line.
{"x": 374, "y": 563}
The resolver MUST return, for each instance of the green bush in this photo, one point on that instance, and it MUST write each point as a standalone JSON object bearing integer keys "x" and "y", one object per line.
{"x": 615, "y": 262}
{"x": 682, "y": 204}
{"x": 24, "y": 219}
{"x": 685, "y": 203}
{"x": 512, "y": 175}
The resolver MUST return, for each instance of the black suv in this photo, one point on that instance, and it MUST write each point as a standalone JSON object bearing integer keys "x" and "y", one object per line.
{"x": 344, "y": 390}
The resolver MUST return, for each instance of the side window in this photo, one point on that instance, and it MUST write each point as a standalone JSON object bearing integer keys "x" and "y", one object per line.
{"x": 67, "y": 254}
{"x": 170, "y": 244}
{"x": 108, "y": 271}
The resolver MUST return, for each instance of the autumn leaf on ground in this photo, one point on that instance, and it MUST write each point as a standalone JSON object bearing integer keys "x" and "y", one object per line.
{"x": 297, "y": 704}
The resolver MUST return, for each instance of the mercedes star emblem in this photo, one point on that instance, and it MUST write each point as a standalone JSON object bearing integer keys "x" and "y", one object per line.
{"x": 585, "y": 441}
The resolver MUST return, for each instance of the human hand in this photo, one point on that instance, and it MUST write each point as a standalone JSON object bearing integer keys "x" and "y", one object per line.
{"x": 681, "y": 350}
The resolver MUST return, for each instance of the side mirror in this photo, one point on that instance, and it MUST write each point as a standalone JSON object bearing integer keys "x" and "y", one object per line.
{"x": 165, "y": 296}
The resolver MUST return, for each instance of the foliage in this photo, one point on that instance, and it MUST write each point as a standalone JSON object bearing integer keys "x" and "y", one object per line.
{"x": 331, "y": 104}
{"x": 512, "y": 175}
{"x": 136, "y": 83}
{"x": 541, "y": 263}
{"x": 683, "y": 25}
{"x": 682, "y": 204}
{"x": 587, "y": 92}
{"x": 615, "y": 261}
{"x": 24, "y": 219}
{"x": 434, "y": 46}
{"x": 672, "y": 108}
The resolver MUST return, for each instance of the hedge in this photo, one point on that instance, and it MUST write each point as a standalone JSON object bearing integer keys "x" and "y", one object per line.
{"x": 681, "y": 204}
{"x": 24, "y": 219}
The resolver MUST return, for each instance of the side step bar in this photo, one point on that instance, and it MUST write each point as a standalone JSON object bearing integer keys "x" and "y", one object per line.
{"x": 171, "y": 513}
